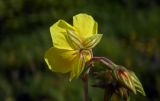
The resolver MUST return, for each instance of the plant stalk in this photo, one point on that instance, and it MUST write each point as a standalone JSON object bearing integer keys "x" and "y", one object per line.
{"x": 85, "y": 86}
{"x": 111, "y": 65}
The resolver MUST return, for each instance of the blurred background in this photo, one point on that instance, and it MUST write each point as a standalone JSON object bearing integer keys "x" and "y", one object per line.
{"x": 131, "y": 38}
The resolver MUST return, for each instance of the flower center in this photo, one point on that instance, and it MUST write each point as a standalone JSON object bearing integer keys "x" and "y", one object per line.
{"x": 84, "y": 52}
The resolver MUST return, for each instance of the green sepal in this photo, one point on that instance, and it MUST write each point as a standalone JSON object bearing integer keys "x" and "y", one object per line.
{"x": 74, "y": 40}
{"x": 92, "y": 41}
{"x": 137, "y": 83}
{"x": 123, "y": 93}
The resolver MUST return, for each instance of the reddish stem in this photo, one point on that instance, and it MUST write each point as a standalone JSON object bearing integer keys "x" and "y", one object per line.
{"x": 85, "y": 86}
{"x": 103, "y": 60}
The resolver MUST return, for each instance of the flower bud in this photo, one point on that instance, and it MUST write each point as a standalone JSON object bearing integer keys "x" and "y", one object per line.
{"x": 137, "y": 83}
{"x": 123, "y": 77}
{"x": 128, "y": 79}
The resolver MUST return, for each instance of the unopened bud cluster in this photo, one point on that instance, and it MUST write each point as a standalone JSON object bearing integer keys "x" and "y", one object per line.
{"x": 118, "y": 80}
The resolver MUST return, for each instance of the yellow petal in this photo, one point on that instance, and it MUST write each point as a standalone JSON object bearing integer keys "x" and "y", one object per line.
{"x": 59, "y": 34}
{"x": 74, "y": 40}
{"x": 79, "y": 64}
{"x": 59, "y": 60}
{"x": 85, "y": 25}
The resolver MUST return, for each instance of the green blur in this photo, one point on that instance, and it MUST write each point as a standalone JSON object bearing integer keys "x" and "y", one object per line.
{"x": 131, "y": 37}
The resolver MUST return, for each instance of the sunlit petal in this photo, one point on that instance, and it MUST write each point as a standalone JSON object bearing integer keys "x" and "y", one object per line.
{"x": 59, "y": 34}
{"x": 74, "y": 40}
{"x": 85, "y": 24}
{"x": 79, "y": 64}
{"x": 60, "y": 60}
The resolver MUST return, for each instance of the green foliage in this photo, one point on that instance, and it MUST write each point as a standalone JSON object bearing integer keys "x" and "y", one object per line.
{"x": 131, "y": 38}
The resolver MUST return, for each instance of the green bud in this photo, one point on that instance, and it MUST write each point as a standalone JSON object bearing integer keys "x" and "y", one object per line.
{"x": 137, "y": 83}
{"x": 128, "y": 79}
{"x": 122, "y": 75}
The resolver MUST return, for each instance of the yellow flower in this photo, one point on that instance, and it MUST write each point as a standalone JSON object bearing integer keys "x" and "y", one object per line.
{"x": 72, "y": 45}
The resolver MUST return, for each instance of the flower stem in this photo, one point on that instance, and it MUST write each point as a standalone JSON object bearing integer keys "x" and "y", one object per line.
{"x": 111, "y": 65}
{"x": 85, "y": 86}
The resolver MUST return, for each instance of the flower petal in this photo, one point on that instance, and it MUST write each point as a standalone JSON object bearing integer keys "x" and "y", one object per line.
{"x": 60, "y": 60}
{"x": 92, "y": 41}
{"x": 59, "y": 34}
{"x": 85, "y": 24}
{"x": 79, "y": 64}
{"x": 74, "y": 40}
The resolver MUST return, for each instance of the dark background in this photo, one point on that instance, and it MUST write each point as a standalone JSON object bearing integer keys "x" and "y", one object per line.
{"x": 131, "y": 38}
